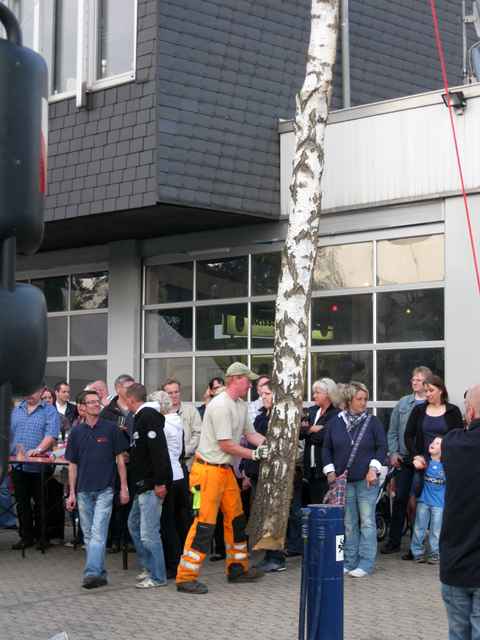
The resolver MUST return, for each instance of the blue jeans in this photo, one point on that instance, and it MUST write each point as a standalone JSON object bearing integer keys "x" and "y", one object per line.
{"x": 95, "y": 509}
{"x": 463, "y": 612}
{"x": 7, "y": 514}
{"x": 144, "y": 527}
{"x": 427, "y": 518}
{"x": 360, "y": 526}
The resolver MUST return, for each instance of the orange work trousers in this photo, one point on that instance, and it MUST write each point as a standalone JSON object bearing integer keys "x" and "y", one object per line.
{"x": 218, "y": 490}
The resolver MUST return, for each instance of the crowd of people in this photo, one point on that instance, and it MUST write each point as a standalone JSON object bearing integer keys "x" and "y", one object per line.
{"x": 177, "y": 481}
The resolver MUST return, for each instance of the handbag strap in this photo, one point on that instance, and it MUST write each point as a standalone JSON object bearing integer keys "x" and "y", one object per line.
{"x": 357, "y": 443}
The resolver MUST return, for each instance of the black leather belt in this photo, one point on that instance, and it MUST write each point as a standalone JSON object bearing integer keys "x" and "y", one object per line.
{"x": 213, "y": 464}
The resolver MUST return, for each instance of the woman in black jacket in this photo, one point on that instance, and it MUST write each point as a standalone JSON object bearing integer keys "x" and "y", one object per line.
{"x": 432, "y": 418}
{"x": 325, "y": 395}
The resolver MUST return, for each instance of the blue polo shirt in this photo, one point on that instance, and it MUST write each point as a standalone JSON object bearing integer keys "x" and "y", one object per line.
{"x": 29, "y": 429}
{"x": 93, "y": 450}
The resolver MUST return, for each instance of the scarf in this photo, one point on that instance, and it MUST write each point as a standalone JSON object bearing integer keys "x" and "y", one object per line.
{"x": 354, "y": 419}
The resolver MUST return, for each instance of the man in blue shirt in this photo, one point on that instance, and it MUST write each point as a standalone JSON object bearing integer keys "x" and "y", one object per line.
{"x": 94, "y": 447}
{"x": 34, "y": 429}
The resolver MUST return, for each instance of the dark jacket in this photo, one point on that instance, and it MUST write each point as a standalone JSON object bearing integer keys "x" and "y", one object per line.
{"x": 312, "y": 457}
{"x": 71, "y": 412}
{"x": 251, "y": 467}
{"x": 337, "y": 446}
{"x": 460, "y": 536}
{"x": 414, "y": 437}
{"x": 149, "y": 459}
{"x": 113, "y": 413}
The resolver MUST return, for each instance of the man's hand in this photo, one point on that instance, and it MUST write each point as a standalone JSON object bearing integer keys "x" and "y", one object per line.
{"x": 261, "y": 453}
{"x": 246, "y": 484}
{"x": 315, "y": 428}
{"x": 371, "y": 477}
{"x": 71, "y": 502}
{"x": 331, "y": 477}
{"x": 160, "y": 490}
{"x": 396, "y": 460}
{"x": 124, "y": 495}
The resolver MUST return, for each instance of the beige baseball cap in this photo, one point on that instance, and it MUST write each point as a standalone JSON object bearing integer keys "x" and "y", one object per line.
{"x": 240, "y": 369}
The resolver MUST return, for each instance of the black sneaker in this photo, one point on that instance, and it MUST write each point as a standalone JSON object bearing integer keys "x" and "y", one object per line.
{"x": 193, "y": 586}
{"x": 388, "y": 548}
{"x": 22, "y": 544}
{"x": 236, "y": 573}
{"x": 92, "y": 582}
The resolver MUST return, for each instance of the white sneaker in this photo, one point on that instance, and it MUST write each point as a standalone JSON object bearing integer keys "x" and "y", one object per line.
{"x": 345, "y": 571}
{"x": 148, "y": 583}
{"x": 358, "y": 573}
{"x": 141, "y": 576}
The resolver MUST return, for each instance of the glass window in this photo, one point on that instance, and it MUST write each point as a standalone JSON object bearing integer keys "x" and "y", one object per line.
{"x": 55, "y": 291}
{"x": 23, "y": 9}
{"x": 54, "y": 372}
{"x": 88, "y": 334}
{"x": 168, "y": 330}
{"x": 263, "y": 324}
{"x": 262, "y": 366}
{"x": 222, "y": 327}
{"x": 227, "y": 278}
{"x": 82, "y": 373}
{"x": 344, "y": 266}
{"x": 209, "y": 367}
{"x": 265, "y": 273}
{"x": 57, "y": 336}
{"x": 344, "y": 366}
{"x": 157, "y": 370}
{"x": 58, "y": 42}
{"x": 409, "y": 260}
{"x": 342, "y": 320}
{"x": 115, "y": 37}
{"x": 89, "y": 291}
{"x": 408, "y": 316}
{"x": 395, "y": 368}
{"x": 169, "y": 283}
{"x": 384, "y": 414}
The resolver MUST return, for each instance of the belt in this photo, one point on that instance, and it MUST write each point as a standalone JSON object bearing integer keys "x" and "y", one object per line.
{"x": 213, "y": 464}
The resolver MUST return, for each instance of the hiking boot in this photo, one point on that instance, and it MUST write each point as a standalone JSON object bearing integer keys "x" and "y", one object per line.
{"x": 192, "y": 587}
{"x": 236, "y": 573}
{"x": 92, "y": 582}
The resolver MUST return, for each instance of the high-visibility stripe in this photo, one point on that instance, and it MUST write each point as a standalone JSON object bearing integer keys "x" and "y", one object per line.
{"x": 193, "y": 555}
{"x": 240, "y": 546}
{"x": 237, "y": 556}
{"x": 189, "y": 565}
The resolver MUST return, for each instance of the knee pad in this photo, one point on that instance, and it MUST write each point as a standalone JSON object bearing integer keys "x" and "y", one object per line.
{"x": 203, "y": 537}
{"x": 238, "y": 524}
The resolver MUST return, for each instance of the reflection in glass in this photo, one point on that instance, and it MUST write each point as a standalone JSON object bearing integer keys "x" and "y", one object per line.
{"x": 160, "y": 369}
{"x": 407, "y": 316}
{"x": 88, "y": 334}
{"x": 420, "y": 259}
{"x": 168, "y": 330}
{"x": 344, "y": 266}
{"x": 222, "y": 327}
{"x": 169, "y": 283}
{"x": 263, "y": 325}
{"x": 82, "y": 373}
{"x": 210, "y": 367}
{"x": 265, "y": 272}
{"x": 342, "y": 320}
{"x": 57, "y": 336}
{"x": 395, "y": 368}
{"x": 226, "y": 278}
{"x": 384, "y": 414}
{"x": 24, "y": 9}
{"x": 343, "y": 367}
{"x": 55, "y": 291}
{"x": 116, "y": 28}
{"x": 58, "y": 42}
{"x": 89, "y": 291}
{"x": 55, "y": 372}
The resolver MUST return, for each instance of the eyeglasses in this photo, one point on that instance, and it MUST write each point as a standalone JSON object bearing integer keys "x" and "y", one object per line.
{"x": 93, "y": 402}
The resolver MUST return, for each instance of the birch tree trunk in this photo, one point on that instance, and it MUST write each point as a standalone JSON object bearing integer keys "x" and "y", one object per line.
{"x": 268, "y": 521}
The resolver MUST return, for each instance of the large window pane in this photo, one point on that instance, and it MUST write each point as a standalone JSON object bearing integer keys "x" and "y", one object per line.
{"x": 116, "y": 29}
{"x": 23, "y": 9}
{"x": 82, "y": 373}
{"x": 58, "y": 42}
{"x": 55, "y": 372}
{"x": 57, "y": 336}
{"x": 395, "y": 368}
{"x": 89, "y": 291}
{"x": 88, "y": 334}
{"x": 342, "y": 320}
{"x": 209, "y": 367}
{"x": 263, "y": 324}
{"x": 344, "y": 266}
{"x": 226, "y": 278}
{"x": 265, "y": 272}
{"x": 169, "y": 283}
{"x": 55, "y": 291}
{"x": 168, "y": 330}
{"x": 343, "y": 367}
{"x": 408, "y": 316}
{"x": 222, "y": 327}
{"x": 160, "y": 369}
{"x": 384, "y": 414}
{"x": 408, "y": 260}
{"x": 262, "y": 366}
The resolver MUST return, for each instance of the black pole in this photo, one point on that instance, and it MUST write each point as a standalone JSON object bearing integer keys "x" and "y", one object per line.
{"x": 7, "y": 281}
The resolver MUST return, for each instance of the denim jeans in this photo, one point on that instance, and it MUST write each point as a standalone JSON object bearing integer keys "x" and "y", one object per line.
{"x": 95, "y": 509}
{"x": 144, "y": 527}
{"x": 360, "y": 526}
{"x": 430, "y": 518}
{"x": 463, "y": 612}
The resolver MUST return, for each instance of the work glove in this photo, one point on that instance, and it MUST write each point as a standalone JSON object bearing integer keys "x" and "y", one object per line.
{"x": 261, "y": 453}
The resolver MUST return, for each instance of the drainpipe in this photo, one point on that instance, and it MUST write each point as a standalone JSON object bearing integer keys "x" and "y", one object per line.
{"x": 345, "y": 55}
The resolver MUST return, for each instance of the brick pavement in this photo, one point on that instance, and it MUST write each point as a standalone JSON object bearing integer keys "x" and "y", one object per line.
{"x": 41, "y": 595}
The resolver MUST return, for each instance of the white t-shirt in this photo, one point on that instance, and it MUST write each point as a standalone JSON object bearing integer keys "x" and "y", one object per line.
{"x": 61, "y": 408}
{"x": 173, "y": 431}
{"x": 224, "y": 419}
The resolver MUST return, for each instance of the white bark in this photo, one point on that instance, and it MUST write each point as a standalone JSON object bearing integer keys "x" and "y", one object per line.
{"x": 269, "y": 518}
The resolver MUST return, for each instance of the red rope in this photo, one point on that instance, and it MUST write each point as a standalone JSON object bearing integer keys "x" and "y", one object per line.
{"x": 443, "y": 66}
